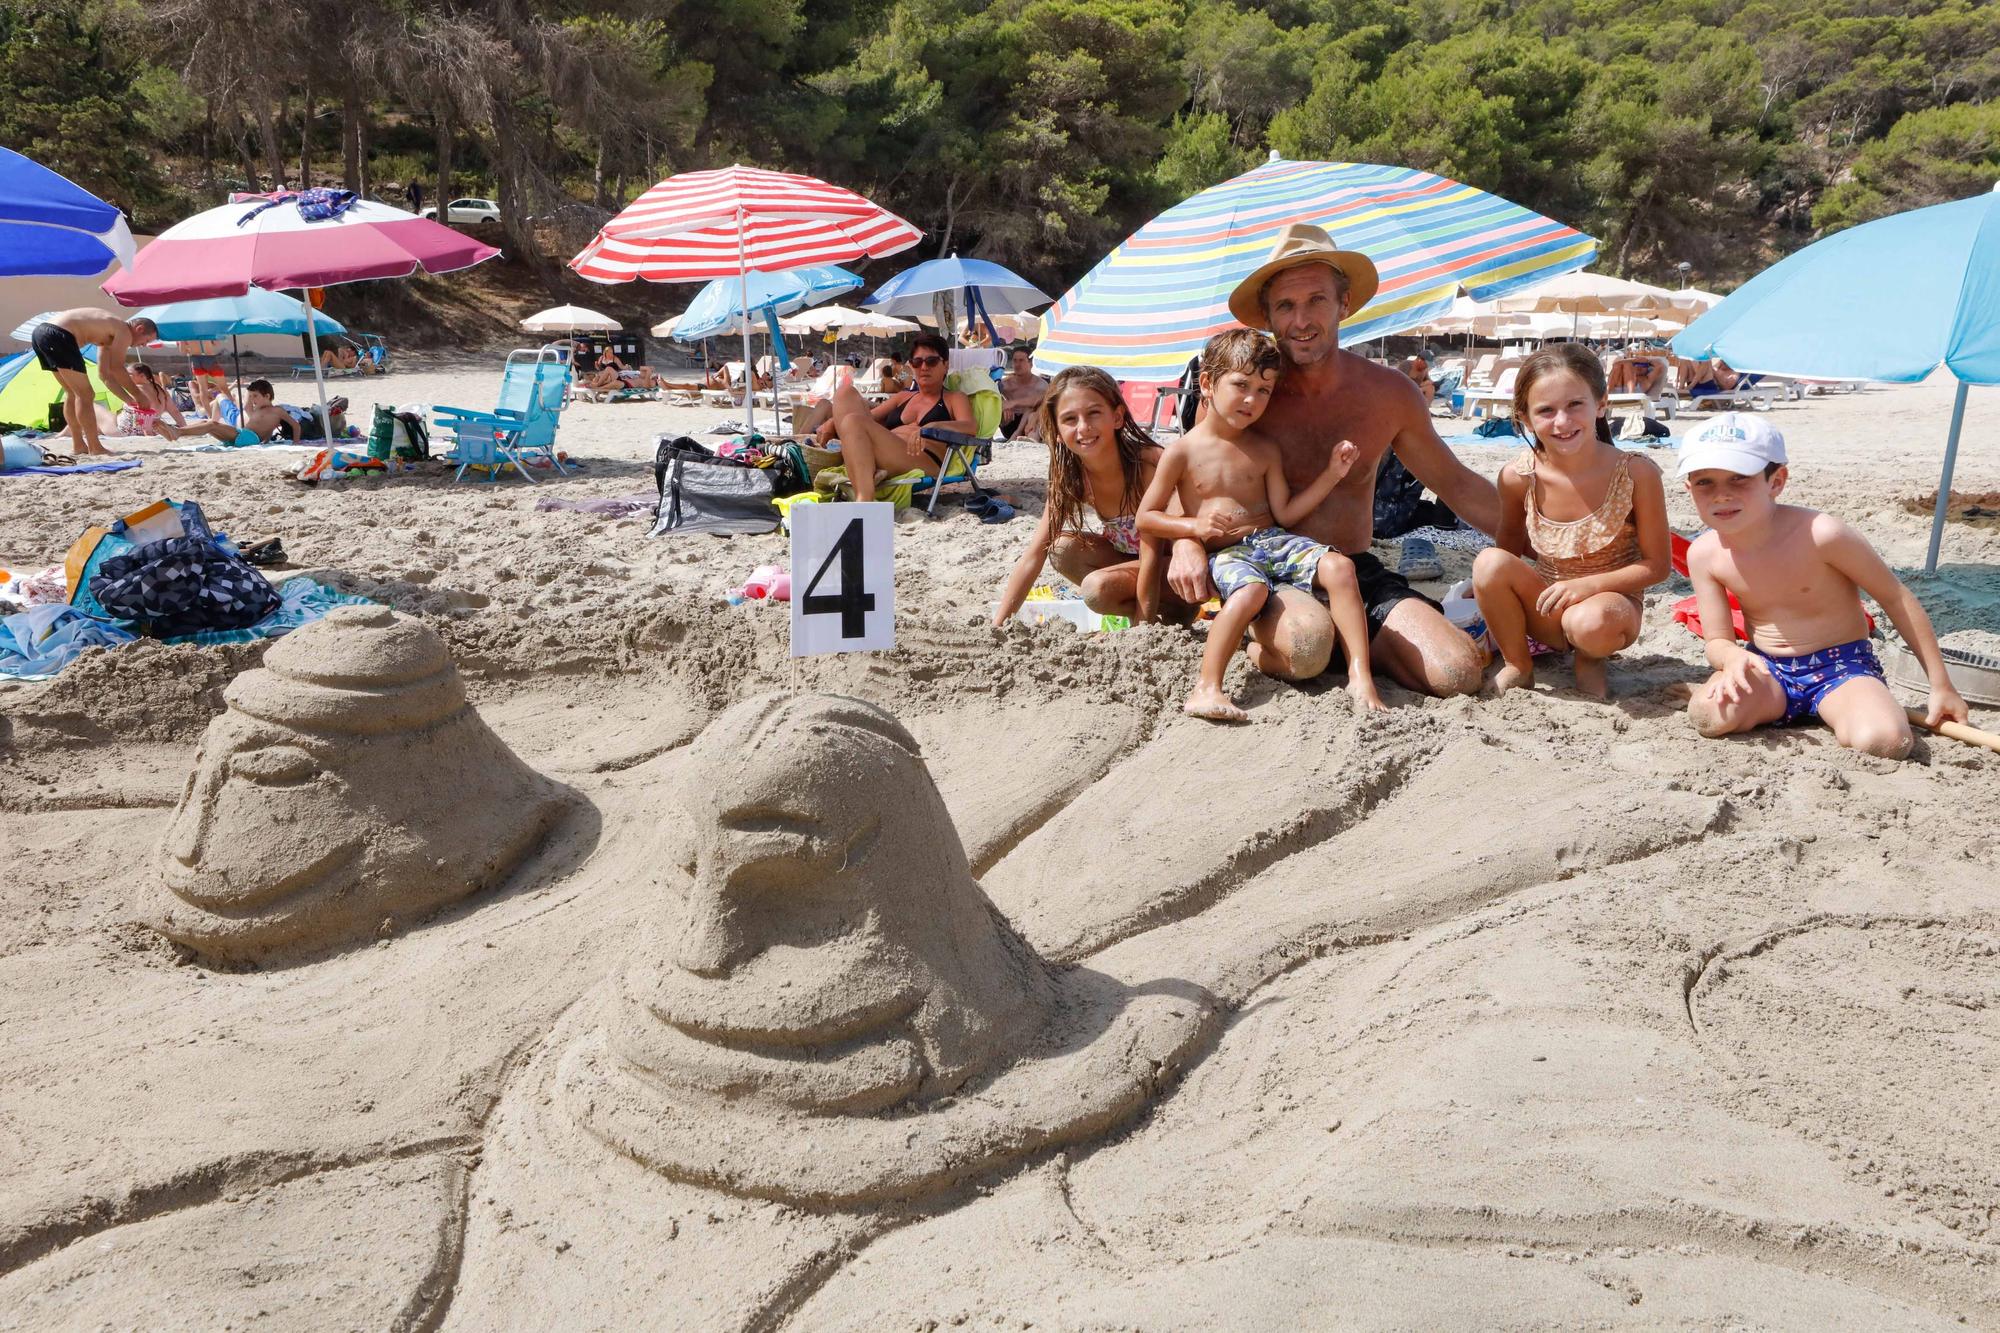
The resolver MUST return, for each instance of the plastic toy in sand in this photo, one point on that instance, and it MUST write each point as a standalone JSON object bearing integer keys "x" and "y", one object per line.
{"x": 348, "y": 789}
{"x": 832, "y": 1012}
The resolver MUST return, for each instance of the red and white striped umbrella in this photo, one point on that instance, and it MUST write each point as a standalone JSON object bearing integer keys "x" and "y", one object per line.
{"x": 227, "y": 250}
{"x": 718, "y": 224}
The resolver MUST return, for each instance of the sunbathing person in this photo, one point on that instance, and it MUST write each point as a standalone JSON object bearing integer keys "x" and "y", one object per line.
{"x": 153, "y": 402}
{"x": 340, "y": 357}
{"x": 1419, "y": 371}
{"x": 1701, "y": 379}
{"x": 1021, "y": 394}
{"x": 889, "y": 375}
{"x": 885, "y": 441}
{"x": 1100, "y": 464}
{"x": 259, "y": 421}
{"x": 1638, "y": 371}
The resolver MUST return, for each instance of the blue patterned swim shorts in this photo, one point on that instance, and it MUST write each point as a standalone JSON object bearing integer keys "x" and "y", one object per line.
{"x": 1269, "y": 556}
{"x": 1810, "y": 677}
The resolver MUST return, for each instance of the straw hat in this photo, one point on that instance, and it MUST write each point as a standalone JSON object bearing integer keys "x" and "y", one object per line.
{"x": 1303, "y": 243}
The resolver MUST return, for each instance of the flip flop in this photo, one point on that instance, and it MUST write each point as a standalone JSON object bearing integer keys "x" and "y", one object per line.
{"x": 978, "y": 503}
{"x": 998, "y": 512}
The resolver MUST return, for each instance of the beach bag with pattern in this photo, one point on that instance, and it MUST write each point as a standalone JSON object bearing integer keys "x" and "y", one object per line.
{"x": 183, "y": 585}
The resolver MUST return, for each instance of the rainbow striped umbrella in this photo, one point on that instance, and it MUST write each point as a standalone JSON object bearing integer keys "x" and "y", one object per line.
{"x": 1150, "y": 304}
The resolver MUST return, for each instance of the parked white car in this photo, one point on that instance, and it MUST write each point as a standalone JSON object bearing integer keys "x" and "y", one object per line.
{"x": 469, "y": 210}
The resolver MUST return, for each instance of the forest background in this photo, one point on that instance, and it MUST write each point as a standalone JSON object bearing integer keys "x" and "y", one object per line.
{"x": 1720, "y": 134}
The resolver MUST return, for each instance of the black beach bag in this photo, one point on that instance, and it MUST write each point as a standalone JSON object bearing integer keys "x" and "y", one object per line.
{"x": 701, "y": 493}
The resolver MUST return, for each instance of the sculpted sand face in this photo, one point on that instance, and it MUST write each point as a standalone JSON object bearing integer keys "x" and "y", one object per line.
{"x": 349, "y": 786}
{"x": 834, "y": 1012}
{"x": 827, "y": 956}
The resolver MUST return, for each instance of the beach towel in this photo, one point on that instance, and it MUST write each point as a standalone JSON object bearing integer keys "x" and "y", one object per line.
{"x": 41, "y": 641}
{"x": 102, "y": 465}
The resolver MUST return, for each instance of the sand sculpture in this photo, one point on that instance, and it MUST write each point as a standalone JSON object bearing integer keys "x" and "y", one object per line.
{"x": 834, "y": 1013}
{"x": 349, "y": 787}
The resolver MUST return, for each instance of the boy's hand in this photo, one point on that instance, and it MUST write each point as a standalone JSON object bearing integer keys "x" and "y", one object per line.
{"x": 1211, "y": 528}
{"x": 1946, "y": 705}
{"x": 1560, "y": 596}
{"x": 1343, "y": 458}
{"x": 1732, "y": 682}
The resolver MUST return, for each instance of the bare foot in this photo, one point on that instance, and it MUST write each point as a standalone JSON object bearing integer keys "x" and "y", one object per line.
{"x": 167, "y": 429}
{"x": 1589, "y": 672}
{"x": 1509, "y": 677}
{"x": 1208, "y": 701}
{"x": 1362, "y": 691}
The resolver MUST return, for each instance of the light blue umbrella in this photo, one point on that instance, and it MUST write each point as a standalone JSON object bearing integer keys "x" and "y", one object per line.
{"x": 49, "y": 225}
{"x": 725, "y": 303}
{"x": 1890, "y": 300}
{"x": 256, "y": 311}
{"x": 989, "y": 290}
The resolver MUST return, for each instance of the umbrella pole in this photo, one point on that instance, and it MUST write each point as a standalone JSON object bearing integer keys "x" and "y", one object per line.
{"x": 319, "y": 371}
{"x": 749, "y": 366}
{"x": 1944, "y": 482}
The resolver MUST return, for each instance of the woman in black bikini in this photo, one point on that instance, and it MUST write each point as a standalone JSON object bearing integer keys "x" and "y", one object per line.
{"x": 885, "y": 442}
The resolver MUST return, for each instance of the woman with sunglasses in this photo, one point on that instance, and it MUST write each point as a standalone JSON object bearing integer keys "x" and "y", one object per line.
{"x": 886, "y": 441}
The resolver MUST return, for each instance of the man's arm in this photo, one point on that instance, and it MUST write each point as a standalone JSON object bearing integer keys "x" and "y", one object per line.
{"x": 111, "y": 366}
{"x": 1468, "y": 494}
{"x": 1847, "y": 551}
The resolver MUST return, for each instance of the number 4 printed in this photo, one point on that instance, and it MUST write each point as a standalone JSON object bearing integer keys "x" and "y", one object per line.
{"x": 852, "y": 602}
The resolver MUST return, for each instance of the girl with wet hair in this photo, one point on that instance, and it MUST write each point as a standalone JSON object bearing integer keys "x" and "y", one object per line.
{"x": 1100, "y": 463}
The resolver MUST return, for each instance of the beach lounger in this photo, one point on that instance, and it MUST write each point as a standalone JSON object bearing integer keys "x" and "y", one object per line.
{"x": 1751, "y": 392}
{"x": 521, "y": 426}
{"x": 960, "y": 464}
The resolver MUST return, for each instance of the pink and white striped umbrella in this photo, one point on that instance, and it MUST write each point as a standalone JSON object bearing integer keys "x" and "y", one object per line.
{"x": 717, "y": 224}
{"x": 225, "y": 251}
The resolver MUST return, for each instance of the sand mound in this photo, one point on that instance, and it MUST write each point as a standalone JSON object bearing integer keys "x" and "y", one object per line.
{"x": 349, "y": 788}
{"x": 832, "y": 962}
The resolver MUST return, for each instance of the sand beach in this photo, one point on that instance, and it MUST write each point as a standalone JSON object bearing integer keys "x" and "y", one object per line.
{"x": 1525, "y": 1012}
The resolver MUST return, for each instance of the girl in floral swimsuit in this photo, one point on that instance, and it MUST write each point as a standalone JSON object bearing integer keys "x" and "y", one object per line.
{"x": 1583, "y": 528}
{"x": 1100, "y": 463}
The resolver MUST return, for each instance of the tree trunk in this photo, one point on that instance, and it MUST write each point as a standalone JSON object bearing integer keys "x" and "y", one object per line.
{"x": 618, "y": 189}
{"x": 598, "y": 193}
{"x": 306, "y": 137}
{"x": 267, "y": 129}
{"x": 350, "y": 133}
{"x": 443, "y": 200}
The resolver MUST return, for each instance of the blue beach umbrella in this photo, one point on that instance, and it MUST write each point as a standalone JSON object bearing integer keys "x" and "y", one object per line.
{"x": 989, "y": 290}
{"x": 49, "y": 226}
{"x": 724, "y": 304}
{"x": 1890, "y": 300}
{"x": 1151, "y": 303}
{"x": 256, "y": 311}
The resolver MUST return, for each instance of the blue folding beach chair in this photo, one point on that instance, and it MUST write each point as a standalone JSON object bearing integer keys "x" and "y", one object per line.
{"x": 521, "y": 427}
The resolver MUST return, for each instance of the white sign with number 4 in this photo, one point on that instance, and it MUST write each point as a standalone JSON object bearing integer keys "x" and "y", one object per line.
{"x": 843, "y": 578}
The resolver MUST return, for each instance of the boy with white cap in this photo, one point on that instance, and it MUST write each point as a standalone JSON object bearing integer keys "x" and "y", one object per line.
{"x": 1798, "y": 575}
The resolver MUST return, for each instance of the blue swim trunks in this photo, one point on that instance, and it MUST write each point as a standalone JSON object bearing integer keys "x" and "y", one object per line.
{"x": 1269, "y": 556}
{"x": 1808, "y": 678}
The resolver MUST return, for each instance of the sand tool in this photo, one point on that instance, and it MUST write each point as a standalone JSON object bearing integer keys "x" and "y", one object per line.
{"x": 1958, "y": 731}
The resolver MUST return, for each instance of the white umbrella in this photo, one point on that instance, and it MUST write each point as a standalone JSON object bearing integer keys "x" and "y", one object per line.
{"x": 570, "y": 319}
{"x": 1588, "y": 294}
{"x": 846, "y": 320}
{"x": 1695, "y": 300}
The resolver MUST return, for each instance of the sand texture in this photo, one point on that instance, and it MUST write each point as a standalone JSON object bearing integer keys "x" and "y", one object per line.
{"x": 586, "y": 985}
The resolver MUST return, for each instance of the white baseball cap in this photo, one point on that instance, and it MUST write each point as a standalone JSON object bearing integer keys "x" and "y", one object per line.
{"x": 1739, "y": 442}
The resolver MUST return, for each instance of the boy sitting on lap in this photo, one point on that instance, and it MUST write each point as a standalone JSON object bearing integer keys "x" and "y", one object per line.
{"x": 1798, "y": 575}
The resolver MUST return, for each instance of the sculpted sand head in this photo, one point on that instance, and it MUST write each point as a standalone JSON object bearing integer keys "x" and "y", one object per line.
{"x": 348, "y": 785}
{"x": 832, "y": 1012}
{"x": 832, "y": 951}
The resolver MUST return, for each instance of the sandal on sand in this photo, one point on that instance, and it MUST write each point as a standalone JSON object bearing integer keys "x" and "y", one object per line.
{"x": 999, "y": 511}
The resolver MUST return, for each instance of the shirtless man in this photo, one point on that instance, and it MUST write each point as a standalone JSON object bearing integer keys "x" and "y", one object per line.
{"x": 1325, "y": 395}
{"x": 59, "y": 341}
